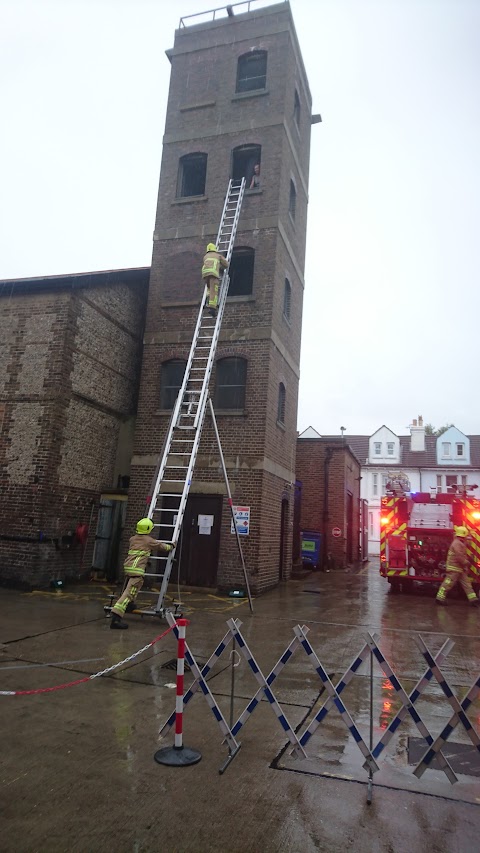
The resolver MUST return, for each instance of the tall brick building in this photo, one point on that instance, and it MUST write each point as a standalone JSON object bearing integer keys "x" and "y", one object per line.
{"x": 238, "y": 97}
{"x": 70, "y": 350}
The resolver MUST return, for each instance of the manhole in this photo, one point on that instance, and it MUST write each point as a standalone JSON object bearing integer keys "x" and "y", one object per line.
{"x": 463, "y": 757}
{"x": 172, "y": 664}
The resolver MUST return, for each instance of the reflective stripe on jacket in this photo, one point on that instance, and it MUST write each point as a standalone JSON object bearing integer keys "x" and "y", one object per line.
{"x": 212, "y": 263}
{"x": 140, "y": 547}
{"x": 457, "y": 556}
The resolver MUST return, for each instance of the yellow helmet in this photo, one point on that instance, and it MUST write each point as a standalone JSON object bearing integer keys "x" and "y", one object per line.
{"x": 462, "y": 532}
{"x": 211, "y": 247}
{"x": 145, "y": 525}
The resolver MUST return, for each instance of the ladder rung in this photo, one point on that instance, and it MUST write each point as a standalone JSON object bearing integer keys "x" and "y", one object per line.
{"x": 167, "y": 480}
{"x": 151, "y": 575}
{"x": 169, "y": 495}
{"x": 165, "y": 509}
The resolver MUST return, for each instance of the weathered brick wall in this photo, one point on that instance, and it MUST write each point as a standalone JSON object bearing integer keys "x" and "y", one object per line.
{"x": 343, "y": 477}
{"x": 70, "y": 354}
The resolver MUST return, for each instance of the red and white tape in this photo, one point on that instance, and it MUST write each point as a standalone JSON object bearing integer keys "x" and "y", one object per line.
{"x": 87, "y": 677}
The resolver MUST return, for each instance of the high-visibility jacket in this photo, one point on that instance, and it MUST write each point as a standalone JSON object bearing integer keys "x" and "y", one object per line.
{"x": 457, "y": 556}
{"x": 139, "y": 549}
{"x": 212, "y": 263}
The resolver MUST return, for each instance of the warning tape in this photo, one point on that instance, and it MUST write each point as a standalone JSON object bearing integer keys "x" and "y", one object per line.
{"x": 88, "y": 677}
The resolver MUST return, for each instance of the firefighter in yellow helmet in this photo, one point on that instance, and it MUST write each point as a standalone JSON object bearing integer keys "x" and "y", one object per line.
{"x": 212, "y": 268}
{"x": 457, "y": 568}
{"x": 139, "y": 549}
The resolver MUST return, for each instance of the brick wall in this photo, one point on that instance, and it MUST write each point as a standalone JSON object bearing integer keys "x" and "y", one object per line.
{"x": 343, "y": 479}
{"x": 69, "y": 357}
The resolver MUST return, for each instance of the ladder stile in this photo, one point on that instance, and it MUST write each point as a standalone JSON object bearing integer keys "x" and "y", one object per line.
{"x": 190, "y": 406}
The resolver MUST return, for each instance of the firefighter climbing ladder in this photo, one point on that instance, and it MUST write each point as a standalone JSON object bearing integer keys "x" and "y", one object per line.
{"x": 175, "y": 472}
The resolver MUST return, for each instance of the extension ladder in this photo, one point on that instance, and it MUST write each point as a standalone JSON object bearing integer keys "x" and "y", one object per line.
{"x": 175, "y": 472}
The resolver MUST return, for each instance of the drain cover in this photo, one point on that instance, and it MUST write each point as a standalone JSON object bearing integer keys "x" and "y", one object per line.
{"x": 463, "y": 757}
{"x": 172, "y": 664}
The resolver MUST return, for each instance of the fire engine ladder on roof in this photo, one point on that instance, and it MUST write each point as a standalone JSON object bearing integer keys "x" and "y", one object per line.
{"x": 175, "y": 472}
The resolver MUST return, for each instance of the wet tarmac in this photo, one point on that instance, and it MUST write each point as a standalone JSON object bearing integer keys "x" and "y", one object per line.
{"x": 78, "y": 772}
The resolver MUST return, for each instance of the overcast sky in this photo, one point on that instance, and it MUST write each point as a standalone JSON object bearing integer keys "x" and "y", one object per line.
{"x": 391, "y": 310}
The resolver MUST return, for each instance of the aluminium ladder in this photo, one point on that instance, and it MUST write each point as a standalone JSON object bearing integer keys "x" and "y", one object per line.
{"x": 175, "y": 472}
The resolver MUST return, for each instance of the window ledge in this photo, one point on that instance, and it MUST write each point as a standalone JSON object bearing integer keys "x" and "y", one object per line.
{"x": 292, "y": 218}
{"x": 281, "y": 425}
{"x": 286, "y": 320}
{"x": 188, "y": 107}
{"x": 186, "y": 304}
{"x": 253, "y": 93}
{"x": 190, "y": 199}
{"x": 164, "y": 412}
{"x": 247, "y": 297}
{"x": 230, "y": 413}
{"x": 254, "y": 191}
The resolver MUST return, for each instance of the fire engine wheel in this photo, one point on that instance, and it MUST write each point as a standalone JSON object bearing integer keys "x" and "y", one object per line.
{"x": 394, "y": 586}
{"x": 407, "y": 586}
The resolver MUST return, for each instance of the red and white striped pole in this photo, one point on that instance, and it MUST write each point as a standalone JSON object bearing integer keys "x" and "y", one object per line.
{"x": 179, "y": 755}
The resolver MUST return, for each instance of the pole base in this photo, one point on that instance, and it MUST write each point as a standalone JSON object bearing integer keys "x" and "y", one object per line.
{"x": 177, "y": 756}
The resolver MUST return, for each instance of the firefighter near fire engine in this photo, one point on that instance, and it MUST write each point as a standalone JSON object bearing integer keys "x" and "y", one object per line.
{"x": 213, "y": 265}
{"x": 457, "y": 568}
{"x": 140, "y": 547}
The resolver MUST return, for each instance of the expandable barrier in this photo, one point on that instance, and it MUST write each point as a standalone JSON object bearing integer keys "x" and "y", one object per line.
{"x": 370, "y": 651}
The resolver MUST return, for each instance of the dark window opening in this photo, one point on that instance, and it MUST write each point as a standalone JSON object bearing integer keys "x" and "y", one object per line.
{"x": 296, "y": 109}
{"x": 171, "y": 378}
{"x": 230, "y": 383}
{"x": 281, "y": 404}
{"x": 192, "y": 175}
{"x": 241, "y": 272}
{"x": 292, "y": 202}
{"x": 244, "y": 160}
{"x": 287, "y": 299}
{"x": 252, "y": 71}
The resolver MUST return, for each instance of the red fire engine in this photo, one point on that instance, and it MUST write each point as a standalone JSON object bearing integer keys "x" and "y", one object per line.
{"x": 416, "y": 531}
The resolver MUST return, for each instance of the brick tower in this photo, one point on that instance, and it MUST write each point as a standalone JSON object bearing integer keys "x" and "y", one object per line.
{"x": 238, "y": 98}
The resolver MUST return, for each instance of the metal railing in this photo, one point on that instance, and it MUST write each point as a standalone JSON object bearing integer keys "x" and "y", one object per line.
{"x": 223, "y": 12}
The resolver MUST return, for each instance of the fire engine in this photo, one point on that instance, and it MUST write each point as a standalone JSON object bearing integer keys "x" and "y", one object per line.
{"x": 416, "y": 530}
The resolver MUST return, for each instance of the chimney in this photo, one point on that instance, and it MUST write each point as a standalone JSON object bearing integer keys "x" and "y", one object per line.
{"x": 417, "y": 435}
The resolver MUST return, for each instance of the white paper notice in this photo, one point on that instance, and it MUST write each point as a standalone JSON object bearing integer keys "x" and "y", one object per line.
{"x": 205, "y": 524}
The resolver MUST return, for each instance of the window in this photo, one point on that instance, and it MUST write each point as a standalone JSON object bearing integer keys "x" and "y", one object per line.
{"x": 296, "y": 109}
{"x": 370, "y": 524}
{"x": 244, "y": 160}
{"x": 460, "y": 449}
{"x": 292, "y": 202}
{"x": 464, "y": 479}
{"x": 287, "y": 299}
{"x": 242, "y": 264}
{"x": 384, "y": 484}
{"x": 446, "y": 448}
{"x": 281, "y": 404}
{"x": 374, "y": 485}
{"x": 192, "y": 173}
{"x": 390, "y": 448}
{"x": 252, "y": 71}
{"x": 439, "y": 482}
{"x": 230, "y": 383}
{"x": 171, "y": 377}
{"x": 378, "y": 448}
{"x": 451, "y": 480}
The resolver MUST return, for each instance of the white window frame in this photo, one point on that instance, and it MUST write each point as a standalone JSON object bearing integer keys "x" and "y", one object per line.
{"x": 377, "y": 448}
{"x": 390, "y": 448}
{"x": 446, "y": 449}
{"x": 439, "y": 482}
{"x": 370, "y": 524}
{"x": 385, "y": 480}
{"x": 460, "y": 449}
{"x": 375, "y": 485}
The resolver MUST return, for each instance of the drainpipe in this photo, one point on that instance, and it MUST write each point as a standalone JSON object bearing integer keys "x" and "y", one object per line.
{"x": 326, "y": 471}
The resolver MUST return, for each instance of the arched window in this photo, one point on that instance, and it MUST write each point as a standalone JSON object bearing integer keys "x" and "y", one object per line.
{"x": 292, "y": 201}
{"x": 171, "y": 377}
{"x": 230, "y": 384}
{"x": 192, "y": 174}
{"x": 281, "y": 404}
{"x": 287, "y": 299}
{"x": 244, "y": 160}
{"x": 296, "y": 109}
{"x": 252, "y": 71}
{"x": 241, "y": 268}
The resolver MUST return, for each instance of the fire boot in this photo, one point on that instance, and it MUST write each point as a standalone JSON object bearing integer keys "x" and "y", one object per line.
{"x": 117, "y": 621}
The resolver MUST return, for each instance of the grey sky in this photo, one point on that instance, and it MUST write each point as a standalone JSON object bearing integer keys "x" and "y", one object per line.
{"x": 391, "y": 302}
